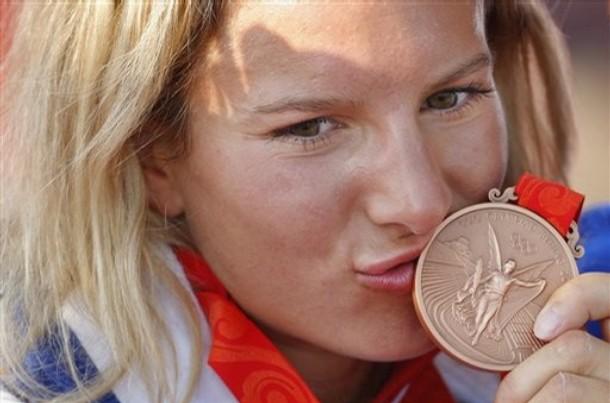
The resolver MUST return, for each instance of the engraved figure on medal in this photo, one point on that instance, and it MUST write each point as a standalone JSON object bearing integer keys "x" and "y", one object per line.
{"x": 487, "y": 293}
{"x": 485, "y": 275}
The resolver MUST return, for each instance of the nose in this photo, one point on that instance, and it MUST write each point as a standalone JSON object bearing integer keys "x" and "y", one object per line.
{"x": 407, "y": 186}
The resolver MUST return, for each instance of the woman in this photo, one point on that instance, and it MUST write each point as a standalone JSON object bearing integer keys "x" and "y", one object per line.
{"x": 302, "y": 150}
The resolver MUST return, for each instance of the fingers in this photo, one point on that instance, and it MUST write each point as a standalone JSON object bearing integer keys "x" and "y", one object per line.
{"x": 587, "y": 297}
{"x": 570, "y": 388}
{"x": 573, "y": 352}
{"x": 574, "y": 365}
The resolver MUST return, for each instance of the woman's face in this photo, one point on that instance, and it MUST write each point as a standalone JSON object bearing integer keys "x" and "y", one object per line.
{"x": 328, "y": 140}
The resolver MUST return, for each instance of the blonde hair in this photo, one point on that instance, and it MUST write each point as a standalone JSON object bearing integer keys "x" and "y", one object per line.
{"x": 532, "y": 76}
{"x": 75, "y": 217}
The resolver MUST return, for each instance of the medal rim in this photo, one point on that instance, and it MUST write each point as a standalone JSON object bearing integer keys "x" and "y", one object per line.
{"x": 418, "y": 302}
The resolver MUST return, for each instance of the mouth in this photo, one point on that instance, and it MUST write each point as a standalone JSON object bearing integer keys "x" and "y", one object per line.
{"x": 395, "y": 275}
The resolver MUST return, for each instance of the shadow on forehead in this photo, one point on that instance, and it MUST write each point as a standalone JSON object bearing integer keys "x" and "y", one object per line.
{"x": 235, "y": 76}
{"x": 265, "y": 69}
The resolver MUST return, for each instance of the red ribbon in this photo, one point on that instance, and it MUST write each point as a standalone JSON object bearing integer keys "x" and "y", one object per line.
{"x": 555, "y": 202}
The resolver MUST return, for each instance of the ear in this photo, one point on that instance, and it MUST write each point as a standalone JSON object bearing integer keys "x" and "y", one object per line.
{"x": 163, "y": 191}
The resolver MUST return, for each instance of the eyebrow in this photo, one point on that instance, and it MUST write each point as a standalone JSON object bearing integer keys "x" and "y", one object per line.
{"x": 303, "y": 105}
{"x": 308, "y": 104}
{"x": 476, "y": 63}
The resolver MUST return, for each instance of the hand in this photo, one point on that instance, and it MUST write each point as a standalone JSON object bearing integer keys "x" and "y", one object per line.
{"x": 574, "y": 366}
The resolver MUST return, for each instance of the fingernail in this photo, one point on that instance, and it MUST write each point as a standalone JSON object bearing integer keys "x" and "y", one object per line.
{"x": 548, "y": 322}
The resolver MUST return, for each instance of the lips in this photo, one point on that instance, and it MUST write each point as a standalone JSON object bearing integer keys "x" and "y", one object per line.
{"x": 382, "y": 266}
{"x": 394, "y": 274}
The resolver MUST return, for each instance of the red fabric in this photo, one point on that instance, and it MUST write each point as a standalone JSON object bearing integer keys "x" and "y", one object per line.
{"x": 555, "y": 202}
{"x": 241, "y": 355}
{"x": 255, "y": 371}
{"x": 8, "y": 10}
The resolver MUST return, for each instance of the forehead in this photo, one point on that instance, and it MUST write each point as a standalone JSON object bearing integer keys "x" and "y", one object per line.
{"x": 264, "y": 42}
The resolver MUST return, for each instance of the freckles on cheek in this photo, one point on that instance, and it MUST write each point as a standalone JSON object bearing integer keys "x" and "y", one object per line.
{"x": 304, "y": 199}
{"x": 292, "y": 204}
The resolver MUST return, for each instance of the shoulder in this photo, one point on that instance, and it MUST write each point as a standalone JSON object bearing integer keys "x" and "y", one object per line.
{"x": 132, "y": 387}
{"x": 92, "y": 354}
{"x": 594, "y": 228}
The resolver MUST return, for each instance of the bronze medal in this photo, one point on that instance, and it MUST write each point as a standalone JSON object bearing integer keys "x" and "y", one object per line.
{"x": 484, "y": 276}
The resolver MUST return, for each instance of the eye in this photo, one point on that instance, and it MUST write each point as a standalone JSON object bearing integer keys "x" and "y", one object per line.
{"x": 455, "y": 100}
{"x": 309, "y": 128}
{"x": 309, "y": 133}
{"x": 443, "y": 100}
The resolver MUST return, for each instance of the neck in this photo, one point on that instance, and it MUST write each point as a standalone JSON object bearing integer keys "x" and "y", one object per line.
{"x": 331, "y": 377}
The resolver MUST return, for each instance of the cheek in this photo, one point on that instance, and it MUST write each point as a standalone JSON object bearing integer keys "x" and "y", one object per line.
{"x": 298, "y": 203}
{"x": 474, "y": 156}
{"x": 248, "y": 198}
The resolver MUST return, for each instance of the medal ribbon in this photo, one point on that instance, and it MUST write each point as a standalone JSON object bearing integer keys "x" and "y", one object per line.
{"x": 555, "y": 202}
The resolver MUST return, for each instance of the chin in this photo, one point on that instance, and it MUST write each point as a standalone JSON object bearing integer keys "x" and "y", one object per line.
{"x": 396, "y": 347}
{"x": 406, "y": 351}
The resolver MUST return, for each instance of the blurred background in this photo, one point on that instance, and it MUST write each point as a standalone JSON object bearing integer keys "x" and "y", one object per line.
{"x": 586, "y": 25}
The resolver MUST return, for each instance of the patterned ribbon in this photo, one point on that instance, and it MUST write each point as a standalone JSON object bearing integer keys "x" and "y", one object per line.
{"x": 553, "y": 201}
